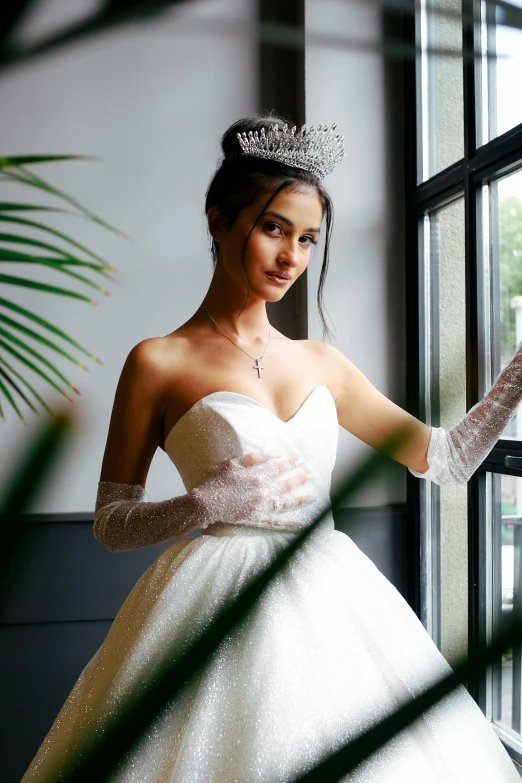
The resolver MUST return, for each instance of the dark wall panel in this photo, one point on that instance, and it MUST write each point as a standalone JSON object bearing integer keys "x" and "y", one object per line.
{"x": 68, "y": 575}
{"x": 282, "y": 92}
{"x": 379, "y": 532}
{"x": 39, "y": 665}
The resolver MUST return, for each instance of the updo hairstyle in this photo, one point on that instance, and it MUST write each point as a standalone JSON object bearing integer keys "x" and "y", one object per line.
{"x": 241, "y": 179}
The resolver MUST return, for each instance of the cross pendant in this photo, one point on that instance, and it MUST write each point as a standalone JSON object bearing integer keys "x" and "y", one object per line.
{"x": 258, "y": 367}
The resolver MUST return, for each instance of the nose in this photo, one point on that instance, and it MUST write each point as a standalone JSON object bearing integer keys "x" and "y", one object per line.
{"x": 289, "y": 253}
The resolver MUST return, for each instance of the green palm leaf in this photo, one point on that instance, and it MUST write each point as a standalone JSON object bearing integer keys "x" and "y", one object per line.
{"x": 18, "y": 495}
{"x": 34, "y": 367}
{"x": 50, "y": 289}
{"x": 16, "y": 239}
{"x": 47, "y": 325}
{"x": 63, "y": 260}
{"x": 21, "y": 344}
{"x": 39, "y": 338}
{"x": 6, "y": 206}
{"x": 5, "y": 363}
{"x": 47, "y": 229}
{"x": 25, "y": 177}
{"x": 25, "y": 160}
{"x": 46, "y": 254}
{"x": 59, "y": 264}
{"x": 7, "y": 394}
{"x": 7, "y": 377}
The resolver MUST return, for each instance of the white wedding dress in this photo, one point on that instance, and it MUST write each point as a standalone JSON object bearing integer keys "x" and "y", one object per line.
{"x": 330, "y": 648}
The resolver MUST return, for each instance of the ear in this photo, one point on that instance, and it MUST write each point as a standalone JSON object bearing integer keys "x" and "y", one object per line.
{"x": 218, "y": 225}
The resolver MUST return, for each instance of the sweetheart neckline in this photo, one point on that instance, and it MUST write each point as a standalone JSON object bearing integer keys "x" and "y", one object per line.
{"x": 252, "y": 399}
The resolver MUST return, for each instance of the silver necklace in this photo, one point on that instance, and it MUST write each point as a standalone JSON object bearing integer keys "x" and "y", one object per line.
{"x": 256, "y": 366}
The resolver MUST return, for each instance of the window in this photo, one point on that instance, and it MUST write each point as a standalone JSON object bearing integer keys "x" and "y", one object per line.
{"x": 465, "y": 306}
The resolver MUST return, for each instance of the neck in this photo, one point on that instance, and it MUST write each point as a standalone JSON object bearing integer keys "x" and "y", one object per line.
{"x": 226, "y": 304}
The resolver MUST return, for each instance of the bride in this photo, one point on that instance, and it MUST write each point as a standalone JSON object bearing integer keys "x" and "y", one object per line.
{"x": 250, "y": 420}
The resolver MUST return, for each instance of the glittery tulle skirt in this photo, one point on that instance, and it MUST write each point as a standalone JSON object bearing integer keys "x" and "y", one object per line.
{"x": 330, "y": 648}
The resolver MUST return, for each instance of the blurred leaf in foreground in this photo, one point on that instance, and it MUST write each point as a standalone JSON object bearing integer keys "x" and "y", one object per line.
{"x": 23, "y": 488}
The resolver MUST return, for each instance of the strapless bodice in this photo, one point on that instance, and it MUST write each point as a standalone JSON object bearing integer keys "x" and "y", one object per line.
{"x": 225, "y": 424}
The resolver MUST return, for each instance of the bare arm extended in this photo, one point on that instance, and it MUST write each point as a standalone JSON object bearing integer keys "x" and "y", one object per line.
{"x": 444, "y": 457}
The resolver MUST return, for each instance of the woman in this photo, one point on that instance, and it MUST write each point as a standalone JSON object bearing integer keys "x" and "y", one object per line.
{"x": 250, "y": 419}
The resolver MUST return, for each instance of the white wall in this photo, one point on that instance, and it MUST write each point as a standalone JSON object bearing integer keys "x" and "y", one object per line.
{"x": 363, "y": 293}
{"x": 151, "y": 101}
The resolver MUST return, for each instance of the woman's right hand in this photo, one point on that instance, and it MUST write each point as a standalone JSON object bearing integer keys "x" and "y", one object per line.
{"x": 254, "y": 487}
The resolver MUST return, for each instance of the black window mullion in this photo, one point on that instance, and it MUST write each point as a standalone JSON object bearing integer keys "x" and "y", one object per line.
{"x": 497, "y": 157}
{"x": 505, "y": 458}
{"x": 479, "y": 165}
{"x": 414, "y": 309}
{"x": 286, "y": 98}
{"x": 474, "y": 337}
{"x": 494, "y": 251}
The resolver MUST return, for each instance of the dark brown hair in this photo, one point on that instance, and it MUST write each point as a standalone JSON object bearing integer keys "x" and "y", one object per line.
{"x": 241, "y": 179}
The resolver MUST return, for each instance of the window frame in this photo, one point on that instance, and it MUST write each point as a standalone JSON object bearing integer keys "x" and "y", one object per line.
{"x": 467, "y": 176}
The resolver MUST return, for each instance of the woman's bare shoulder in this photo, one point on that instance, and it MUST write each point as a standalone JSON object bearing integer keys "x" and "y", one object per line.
{"x": 155, "y": 357}
{"x": 333, "y": 358}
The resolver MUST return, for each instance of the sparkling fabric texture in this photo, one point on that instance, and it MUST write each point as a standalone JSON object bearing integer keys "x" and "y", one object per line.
{"x": 330, "y": 648}
{"x": 239, "y": 490}
{"x": 454, "y": 456}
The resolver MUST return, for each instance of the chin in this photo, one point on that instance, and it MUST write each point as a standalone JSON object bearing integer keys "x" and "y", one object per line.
{"x": 273, "y": 293}
{"x": 274, "y": 296}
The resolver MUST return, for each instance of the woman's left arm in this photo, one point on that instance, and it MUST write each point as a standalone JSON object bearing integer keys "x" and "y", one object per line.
{"x": 372, "y": 417}
{"x": 444, "y": 457}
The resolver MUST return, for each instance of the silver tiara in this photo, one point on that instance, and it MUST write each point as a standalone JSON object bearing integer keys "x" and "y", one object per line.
{"x": 318, "y": 150}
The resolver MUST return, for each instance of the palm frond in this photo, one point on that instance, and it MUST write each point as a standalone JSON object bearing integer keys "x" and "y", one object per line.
{"x": 7, "y": 335}
{"x": 9, "y": 218}
{"x": 34, "y": 367}
{"x": 5, "y": 363}
{"x": 6, "y": 206}
{"x": 50, "y": 289}
{"x": 47, "y": 325}
{"x": 17, "y": 239}
{"x": 7, "y": 394}
{"x": 7, "y": 377}
{"x": 39, "y": 338}
{"x": 25, "y": 160}
{"x": 59, "y": 264}
{"x": 67, "y": 261}
{"x": 25, "y": 177}
{"x": 16, "y": 257}
{"x": 18, "y": 494}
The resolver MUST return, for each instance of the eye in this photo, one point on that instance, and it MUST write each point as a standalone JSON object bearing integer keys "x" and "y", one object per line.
{"x": 308, "y": 240}
{"x": 274, "y": 228}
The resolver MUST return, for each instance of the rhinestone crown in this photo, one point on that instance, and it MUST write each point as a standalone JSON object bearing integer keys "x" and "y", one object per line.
{"x": 318, "y": 150}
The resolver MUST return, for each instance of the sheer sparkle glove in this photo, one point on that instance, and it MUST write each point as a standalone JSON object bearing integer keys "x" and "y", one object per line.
{"x": 454, "y": 456}
{"x": 245, "y": 488}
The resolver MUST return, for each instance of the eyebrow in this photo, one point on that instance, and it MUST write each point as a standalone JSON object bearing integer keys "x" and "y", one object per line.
{"x": 288, "y": 221}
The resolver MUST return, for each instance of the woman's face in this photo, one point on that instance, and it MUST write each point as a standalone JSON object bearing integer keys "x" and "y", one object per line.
{"x": 280, "y": 245}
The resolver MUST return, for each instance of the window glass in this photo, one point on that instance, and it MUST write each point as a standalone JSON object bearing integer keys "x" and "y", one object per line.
{"x": 470, "y": 304}
{"x": 505, "y": 252}
{"x": 440, "y": 82}
{"x": 445, "y": 508}
{"x": 505, "y": 598}
{"x": 501, "y": 68}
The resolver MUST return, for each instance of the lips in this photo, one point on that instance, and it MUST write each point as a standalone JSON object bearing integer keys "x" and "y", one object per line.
{"x": 280, "y": 277}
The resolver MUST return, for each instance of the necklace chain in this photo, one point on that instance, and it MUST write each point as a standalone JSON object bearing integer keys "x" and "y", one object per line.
{"x": 257, "y": 366}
